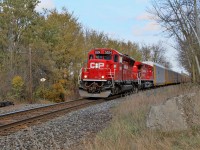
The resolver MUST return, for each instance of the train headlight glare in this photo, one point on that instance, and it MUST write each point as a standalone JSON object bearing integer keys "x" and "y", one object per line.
{"x": 85, "y": 76}
{"x": 115, "y": 66}
{"x": 102, "y": 77}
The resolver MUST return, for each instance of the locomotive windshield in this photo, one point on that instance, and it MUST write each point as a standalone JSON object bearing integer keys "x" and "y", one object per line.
{"x": 104, "y": 56}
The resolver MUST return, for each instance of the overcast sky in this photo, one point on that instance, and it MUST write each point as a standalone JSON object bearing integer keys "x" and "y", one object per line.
{"x": 120, "y": 19}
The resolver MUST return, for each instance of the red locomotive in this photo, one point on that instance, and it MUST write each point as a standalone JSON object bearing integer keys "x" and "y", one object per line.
{"x": 144, "y": 74}
{"x": 109, "y": 72}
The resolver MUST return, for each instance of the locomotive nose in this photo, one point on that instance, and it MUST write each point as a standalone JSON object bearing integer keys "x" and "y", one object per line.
{"x": 97, "y": 69}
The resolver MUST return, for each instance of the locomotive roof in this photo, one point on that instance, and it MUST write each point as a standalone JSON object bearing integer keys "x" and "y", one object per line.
{"x": 124, "y": 55}
{"x": 153, "y": 64}
{"x": 142, "y": 63}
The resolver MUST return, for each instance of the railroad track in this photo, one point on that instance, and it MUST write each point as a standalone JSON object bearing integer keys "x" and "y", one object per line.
{"x": 12, "y": 122}
{"x": 15, "y": 121}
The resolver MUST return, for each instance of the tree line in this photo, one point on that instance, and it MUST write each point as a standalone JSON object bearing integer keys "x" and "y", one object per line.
{"x": 48, "y": 45}
{"x": 180, "y": 20}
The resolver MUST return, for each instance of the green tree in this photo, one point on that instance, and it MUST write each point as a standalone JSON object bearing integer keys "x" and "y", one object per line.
{"x": 64, "y": 37}
{"x": 16, "y": 17}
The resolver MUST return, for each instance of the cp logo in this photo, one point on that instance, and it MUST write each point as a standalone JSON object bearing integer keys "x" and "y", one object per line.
{"x": 96, "y": 65}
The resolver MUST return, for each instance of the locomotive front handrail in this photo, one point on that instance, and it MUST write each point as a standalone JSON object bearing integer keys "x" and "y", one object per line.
{"x": 139, "y": 78}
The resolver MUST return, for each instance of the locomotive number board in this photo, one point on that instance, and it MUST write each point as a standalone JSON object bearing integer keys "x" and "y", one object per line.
{"x": 105, "y": 52}
{"x": 108, "y": 52}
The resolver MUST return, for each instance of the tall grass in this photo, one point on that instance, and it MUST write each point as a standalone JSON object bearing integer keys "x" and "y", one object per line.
{"x": 128, "y": 127}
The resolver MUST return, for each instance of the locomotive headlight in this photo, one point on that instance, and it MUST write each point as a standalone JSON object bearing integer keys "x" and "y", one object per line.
{"x": 102, "y": 77}
{"x": 85, "y": 76}
{"x": 115, "y": 66}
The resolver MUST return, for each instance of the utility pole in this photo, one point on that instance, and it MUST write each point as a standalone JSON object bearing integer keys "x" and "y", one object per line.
{"x": 30, "y": 76}
{"x": 30, "y": 82}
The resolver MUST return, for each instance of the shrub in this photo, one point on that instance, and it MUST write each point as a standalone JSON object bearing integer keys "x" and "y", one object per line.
{"x": 56, "y": 93}
{"x": 17, "y": 87}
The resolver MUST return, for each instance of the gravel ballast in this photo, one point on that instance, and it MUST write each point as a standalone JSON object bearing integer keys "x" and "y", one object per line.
{"x": 62, "y": 132}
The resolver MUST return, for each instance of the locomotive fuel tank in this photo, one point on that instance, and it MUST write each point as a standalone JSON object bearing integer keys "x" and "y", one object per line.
{"x": 102, "y": 94}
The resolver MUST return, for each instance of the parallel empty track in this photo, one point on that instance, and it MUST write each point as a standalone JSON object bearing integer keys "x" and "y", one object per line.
{"x": 12, "y": 122}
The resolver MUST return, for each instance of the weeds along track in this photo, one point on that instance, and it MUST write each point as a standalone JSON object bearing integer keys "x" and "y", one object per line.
{"x": 12, "y": 122}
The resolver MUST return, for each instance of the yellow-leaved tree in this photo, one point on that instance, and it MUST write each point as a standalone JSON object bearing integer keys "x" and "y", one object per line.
{"x": 17, "y": 87}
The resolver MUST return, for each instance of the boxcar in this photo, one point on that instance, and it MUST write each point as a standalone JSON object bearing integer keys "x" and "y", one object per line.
{"x": 158, "y": 73}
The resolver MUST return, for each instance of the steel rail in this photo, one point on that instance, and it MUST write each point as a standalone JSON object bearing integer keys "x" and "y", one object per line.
{"x": 7, "y": 128}
{"x": 22, "y": 119}
{"x": 37, "y": 108}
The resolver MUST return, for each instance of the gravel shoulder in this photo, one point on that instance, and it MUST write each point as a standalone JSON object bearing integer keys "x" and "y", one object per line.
{"x": 65, "y": 132}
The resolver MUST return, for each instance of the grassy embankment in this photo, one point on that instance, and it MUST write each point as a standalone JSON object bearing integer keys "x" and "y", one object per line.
{"x": 128, "y": 128}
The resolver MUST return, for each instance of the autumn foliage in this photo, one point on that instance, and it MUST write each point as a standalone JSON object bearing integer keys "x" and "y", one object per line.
{"x": 17, "y": 87}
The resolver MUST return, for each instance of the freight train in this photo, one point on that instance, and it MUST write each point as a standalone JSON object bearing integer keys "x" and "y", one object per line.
{"x": 109, "y": 72}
